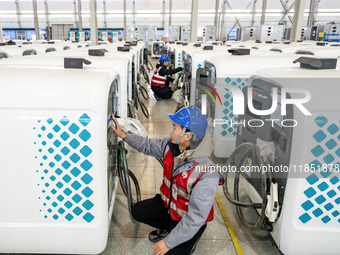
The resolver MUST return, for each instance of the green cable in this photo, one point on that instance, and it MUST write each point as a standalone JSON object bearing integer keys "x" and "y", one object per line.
{"x": 206, "y": 91}
{"x": 121, "y": 157}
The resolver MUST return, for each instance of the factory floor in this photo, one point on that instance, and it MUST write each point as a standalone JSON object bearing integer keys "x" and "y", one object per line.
{"x": 128, "y": 238}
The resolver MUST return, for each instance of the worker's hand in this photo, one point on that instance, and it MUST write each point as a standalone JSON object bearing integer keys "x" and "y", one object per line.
{"x": 118, "y": 131}
{"x": 160, "y": 248}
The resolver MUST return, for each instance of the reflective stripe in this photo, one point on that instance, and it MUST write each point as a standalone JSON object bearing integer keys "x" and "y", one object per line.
{"x": 194, "y": 176}
{"x": 166, "y": 151}
{"x": 179, "y": 211}
{"x": 160, "y": 77}
{"x": 182, "y": 193}
{"x": 165, "y": 198}
{"x": 166, "y": 181}
{"x": 154, "y": 78}
{"x": 160, "y": 82}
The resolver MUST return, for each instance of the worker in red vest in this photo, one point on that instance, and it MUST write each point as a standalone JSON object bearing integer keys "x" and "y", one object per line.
{"x": 161, "y": 78}
{"x": 184, "y": 205}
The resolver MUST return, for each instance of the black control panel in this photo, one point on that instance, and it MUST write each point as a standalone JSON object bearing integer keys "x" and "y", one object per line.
{"x": 270, "y": 128}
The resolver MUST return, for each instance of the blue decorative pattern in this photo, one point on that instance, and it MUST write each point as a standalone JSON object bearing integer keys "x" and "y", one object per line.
{"x": 64, "y": 157}
{"x": 227, "y": 101}
{"x": 323, "y": 195}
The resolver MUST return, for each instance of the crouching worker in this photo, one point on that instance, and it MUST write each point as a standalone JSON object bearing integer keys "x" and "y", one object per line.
{"x": 161, "y": 78}
{"x": 185, "y": 203}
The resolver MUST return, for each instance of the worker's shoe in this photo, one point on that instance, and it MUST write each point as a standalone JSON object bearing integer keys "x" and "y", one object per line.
{"x": 157, "y": 98}
{"x": 157, "y": 235}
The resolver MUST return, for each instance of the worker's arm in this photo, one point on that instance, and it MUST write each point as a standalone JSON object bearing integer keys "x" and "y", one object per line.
{"x": 200, "y": 203}
{"x": 163, "y": 71}
{"x": 149, "y": 146}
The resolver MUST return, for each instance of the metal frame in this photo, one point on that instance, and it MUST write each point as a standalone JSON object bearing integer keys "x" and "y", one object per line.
{"x": 17, "y": 8}
{"x": 264, "y": 8}
{"x": 93, "y": 22}
{"x": 104, "y": 10}
{"x": 36, "y": 21}
{"x": 80, "y": 19}
{"x": 313, "y": 10}
{"x": 286, "y": 11}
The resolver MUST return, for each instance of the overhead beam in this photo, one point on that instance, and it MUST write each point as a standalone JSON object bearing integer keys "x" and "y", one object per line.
{"x": 124, "y": 6}
{"x": 253, "y": 13}
{"x": 46, "y": 13}
{"x": 217, "y": 3}
{"x": 313, "y": 9}
{"x": 17, "y": 8}
{"x": 223, "y": 32}
{"x": 170, "y": 12}
{"x": 264, "y": 8}
{"x": 75, "y": 13}
{"x": 93, "y": 22}
{"x": 163, "y": 16}
{"x": 1, "y": 32}
{"x": 80, "y": 19}
{"x": 287, "y": 12}
{"x": 133, "y": 12}
{"x": 297, "y": 20}
{"x": 36, "y": 21}
{"x": 316, "y": 9}
{"x": 194, "y": 20}
{"x": 104, "y": 10}
{"x": 47, "y": 19}
{"x": 237, "y": 20}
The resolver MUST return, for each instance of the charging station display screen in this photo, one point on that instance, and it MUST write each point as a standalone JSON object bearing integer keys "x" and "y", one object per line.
{"x": 203, "y": 79}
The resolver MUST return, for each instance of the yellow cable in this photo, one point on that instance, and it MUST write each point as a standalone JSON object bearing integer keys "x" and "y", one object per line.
{"x": 229, "y": 226}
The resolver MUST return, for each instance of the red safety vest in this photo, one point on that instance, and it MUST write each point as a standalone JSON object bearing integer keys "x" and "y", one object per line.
{"x": 158, "y": 80}
{"x": 182, "y": 185}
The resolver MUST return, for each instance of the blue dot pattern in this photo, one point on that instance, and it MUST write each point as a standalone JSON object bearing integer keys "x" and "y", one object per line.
{"x": 323, "y": 194}
{"x": 227, "y": 108}
{"x": 65, "y": 164}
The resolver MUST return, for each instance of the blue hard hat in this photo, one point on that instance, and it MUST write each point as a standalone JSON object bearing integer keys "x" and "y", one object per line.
{"x": 163, "y": 58}
{"x": 191, "y": 118}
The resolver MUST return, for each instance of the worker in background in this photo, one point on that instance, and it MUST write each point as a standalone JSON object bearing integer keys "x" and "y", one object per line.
{"x": 185, "y": 203}
{"x": 161, "y": 78}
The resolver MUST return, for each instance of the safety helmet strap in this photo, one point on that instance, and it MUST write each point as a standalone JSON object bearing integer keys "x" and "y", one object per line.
{"x": 180, "y": 136}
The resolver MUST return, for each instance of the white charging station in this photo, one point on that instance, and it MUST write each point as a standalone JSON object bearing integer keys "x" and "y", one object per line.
{"x": 309, "y": 192}
{"x": 56, "y": 179}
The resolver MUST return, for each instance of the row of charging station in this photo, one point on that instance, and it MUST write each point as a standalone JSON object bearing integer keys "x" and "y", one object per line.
{"x": 233, "y": 84}
{"x": 28, "y": 48}
{"x": 57, "y": 107}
